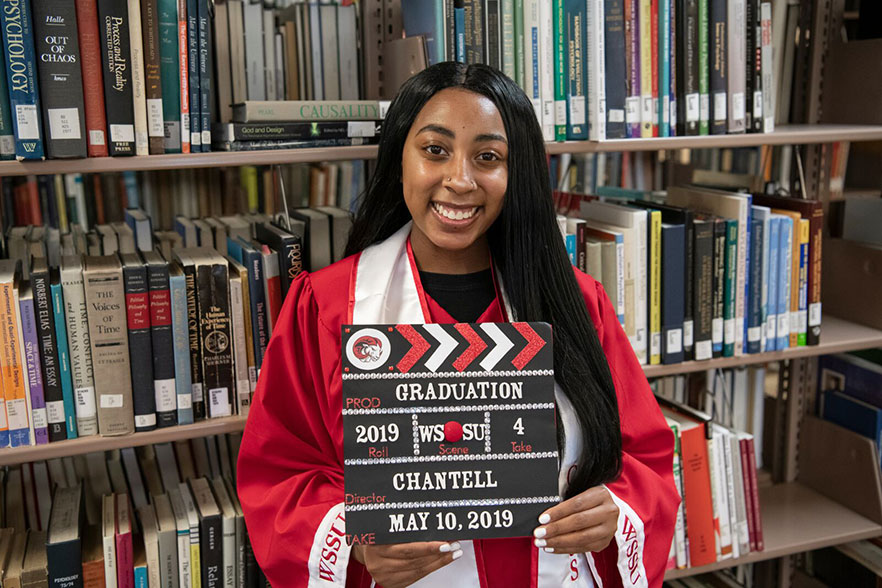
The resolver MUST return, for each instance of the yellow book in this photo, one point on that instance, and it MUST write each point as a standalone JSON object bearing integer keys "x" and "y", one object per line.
{"x": 794, "y": 274}
{"x": 804, "y": 236}
{"x": 14, "y": 421}
{"x": 655, "y": 286}
{"x": 645, "y": 29}
{"x": 248, "y": 181}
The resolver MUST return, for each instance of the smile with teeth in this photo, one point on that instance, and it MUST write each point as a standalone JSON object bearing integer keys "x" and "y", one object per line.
{"x": 450, "y": 213}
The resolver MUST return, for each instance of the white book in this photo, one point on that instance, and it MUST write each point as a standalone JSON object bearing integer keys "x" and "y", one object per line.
{"x": 767, "y": 67}
{"x": 228, "y": 529}
{"x": 147, "y": 516}
{"x": 347, "y": 33}
{"x": 280, "y": 63}
{"x": 329, "y": 65}
{"x": 531, "y": 40}
{"x": 241, "y": 533}
{"x": 736, "y": 73}
{"x": 236, "y": 27}
{"x": 193, "y": 520}
{"x": 614, "y": 273}
{"x": 108, "y": 518}
{"x": 79, "y": 345}
{"x": 166, "y": 532}
{"x": 741, "y": 536}
{"x": 240, "y": 357}
{"x": 596, "y": 69}
{"x": 757, "y": 378}
{"x": 269, "y": 55}
{"x": 546, "y": 69}
{"x": 139, "y": 89}
{"x": 679, "y": 544}
{"x": 182, "y": 526}
{"x": 731, "y": 481}
{"x": 634, "y": 229}
{"x": 252, "y": 16}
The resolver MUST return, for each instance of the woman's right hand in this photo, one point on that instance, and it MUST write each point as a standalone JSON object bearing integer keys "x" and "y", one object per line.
{"x": 401, "y": 564}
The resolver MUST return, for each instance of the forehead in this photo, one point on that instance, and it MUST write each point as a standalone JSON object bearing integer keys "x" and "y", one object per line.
{"x": 460, "y": 110}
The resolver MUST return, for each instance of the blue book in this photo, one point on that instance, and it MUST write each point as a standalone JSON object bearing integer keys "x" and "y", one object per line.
{"x": 21, "y": 71}
{"x": 7, "y": 134}
{"x": 459, "y": 27}
{"x": 774, "y": 280}
{"x": 664, "y": 67}
{"x": 577, "y": 69}
{"x": 244, "y": 253}
{"x": 803, "y": 293}
{"x": 785, "y": 257}
{"x": 854, "y": 376}
{"x": 730, "y": 281}
{"x": 571, "y": 248}
{"x": 177, "y": 289}
{"x": 141, "y": 575}
{"x": 133, "y": 192}
{"x": 426, "y": 18}
{"x": 193, "y": 77}
{"x": 754, "y": 301}
{"x": 762, "y": 214}
{"x": 853, "y": 414}
{"x": 746, "y": 269}
{"x": 64, "y": 373}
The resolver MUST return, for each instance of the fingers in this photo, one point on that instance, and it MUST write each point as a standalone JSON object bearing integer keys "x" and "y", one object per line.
{"x": 586, "y": 522}
{"x": 579, "y": 521}
{"x": 593, "y": 539}
{"x": 584, "y": 501}
{"x": 402, "y": 564}
{"x": 411, "y": 551}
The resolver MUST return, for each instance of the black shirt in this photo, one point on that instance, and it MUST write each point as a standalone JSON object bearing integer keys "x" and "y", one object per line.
{"x": 465, "y": 297}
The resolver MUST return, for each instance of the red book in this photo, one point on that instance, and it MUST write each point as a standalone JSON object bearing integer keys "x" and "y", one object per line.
{"x": 653, "y": 17}
{"x": 125, "y": 567}
{"x": 696, "y": 489}
{"x": 754, "y": 494}
{"x": 744, "y": 449}
{"x": 93, "y": 81}
{"x": 272, "y": 282}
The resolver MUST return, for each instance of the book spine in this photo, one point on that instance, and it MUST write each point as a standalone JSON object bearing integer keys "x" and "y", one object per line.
{"x": 116, "y": 59}
{"x": 61, "y": 81}
{"x": 559, "y": 45}
{"x": 719, "y": 68}
{"x": 169, "y": 74}
{"x": 703, "y": 68}
{"x": 655, "y": 63}
{"x": 755, "y": 65}
{"x": 7, "y": 133}
{"x": 749, "y": 53}
{"x": 644, "y": 32}
{"x": 703, "y": 275}
{"x": 183, "y": 383}
{"x": 162, "y": 338}
{"x": 729, "y": 297}
{"x": 785, "y": 261}
{"x": 252, "y": 261}
{"x": 64, "y": 566}
{"x": 754, "y": 495}
{"x": 91, "y": 72}
{"x": 39, "y": 416}
{"x": 48, "y": 351}
{"x": 21, "y": 72}
{"x": 672, "y": 294}
{"x": 748, "y": 499}
{"x": 184, "y": 75}
{"x": 718, "y": 289}
{"x": 140, "y": 347}
{"x": 507, "y": 36}
{"x": 14, "y": 384}
{"x": 139, "y": 92}
{"x": 802, "y": 328}
{"x": 655, "y": 262}
{"x": 196, "y": 376}
{"x": 574, "y": 41}
{"x": 736, "y": 60}
{"x": 673, "y": 32}
{"x": 594, "y": 51}
{"x": 774, "y": 257}
{"x": 64, "y": 372}
{"x": 150, "y": 21}
{"x": 764, "y": 280}
{"x": 206, "y": 65}
{"x": 105, "y": 298}
{"x": 664, "y": 75}
{"x": 519, "y": 40}
{"x": 215, "y": 334}
{"x": 754, "y": 315}
{"x": 692, "y": 108}
{"x": 125, "y": 568}
{"x": 546, "y": 69}
{"x": 80, "y": 351}
{"x": 615, "y": 67}
{"x": 459, "y": 28}
{"x": 768, "y": 82}
{"x": 240, "y": 359}
{"x": 193, "y": 75}
{"x": 212, "y": 554}
{"x": 816, "y": 234}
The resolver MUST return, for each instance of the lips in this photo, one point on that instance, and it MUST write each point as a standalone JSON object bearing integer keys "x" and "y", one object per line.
{"x": 454, "y": 213}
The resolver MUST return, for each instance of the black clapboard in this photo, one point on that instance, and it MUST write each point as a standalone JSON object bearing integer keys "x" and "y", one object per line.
{"x": 449, "y": 431}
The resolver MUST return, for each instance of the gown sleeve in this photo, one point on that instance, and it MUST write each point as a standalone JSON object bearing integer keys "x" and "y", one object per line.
{"x": 290, "y": 467}
{"x": 644, "y": 491}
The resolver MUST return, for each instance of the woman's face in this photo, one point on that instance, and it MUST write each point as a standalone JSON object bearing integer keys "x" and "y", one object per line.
{"x": 454, "y": 173}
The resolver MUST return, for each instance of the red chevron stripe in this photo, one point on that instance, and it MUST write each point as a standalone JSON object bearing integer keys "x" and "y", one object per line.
{"x": 476, "y": 346}
{"x": 418, "y": 347}
{"x": 534, "y": 344}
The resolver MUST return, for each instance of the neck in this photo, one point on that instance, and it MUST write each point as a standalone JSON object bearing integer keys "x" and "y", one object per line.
{"x": 431, "y": 258}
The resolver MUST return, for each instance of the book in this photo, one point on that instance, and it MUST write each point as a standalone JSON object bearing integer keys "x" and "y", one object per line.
{"x": 239, "y": 270}
{"x": 205, "y": 10}
{"x": 113, "y": 19}
{"x": 64, "y": 366}
{"x": 736, "y": 58}
{"x": 182, "y": 536}
{"x": 149, "y": 544}
{"x": 237, "y": 325}
{"x": 289, "y": 245}
{"x": 105, "y": 296}
{"x": 7, "y": 134}
{"x": 91, "y": 69}
{"x": 210, "y": 533}
{"x": 673, "y": 241}
{"x": 166, "y": 537}
{"x": 162, "y": 338}
{"x": 653, "y": 259}
{"x": 307, "y": 110}
{"x": 64, "y": 537}
{"x": 195, "y": 97}
{"x": 614, "y": 67}
{"x": 108, "y": 535}
{"x": 192, "y": 515}
{"x": 596, "y": 65}
{"x": 61, "y": 81}
{"x": 48, "y": 350}
{"x": 139, "y": 94}
{"x": 291, "y": 131}
{"x": 855, "y": 415}
{"x": 93, "y": 557}
{"x": 151, "y": 23}
{"x": 137, "y": 301}
{"x": 719, "y": 68}
{"x": 17, "y": 431}
{"x": 184, "y": 74}
{"x": 32, "y": 365}
{"x": 78, "y": 339}
{"x": 125, "y": 573}
{"x": 21, "y": 72}
{"x": 167, "y": 12}
{"x": 34, "y": 569}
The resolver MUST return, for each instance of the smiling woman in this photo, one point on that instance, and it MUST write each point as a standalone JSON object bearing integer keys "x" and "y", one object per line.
{"x": 457, "y": 225}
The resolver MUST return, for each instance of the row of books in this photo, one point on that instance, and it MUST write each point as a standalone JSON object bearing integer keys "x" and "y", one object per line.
{"x": 162, "y": 515}
{"x": 600, "y": 69}
{"x": 706, "y": 273}
{"x": 718, "y": 579}
{"x": 138, "y": 77}
{"x": 124, "y": 329}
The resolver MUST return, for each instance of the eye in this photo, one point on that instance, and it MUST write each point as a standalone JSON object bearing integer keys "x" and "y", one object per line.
{"x": 489, "y": 156}
{"x": 437, "y": 150}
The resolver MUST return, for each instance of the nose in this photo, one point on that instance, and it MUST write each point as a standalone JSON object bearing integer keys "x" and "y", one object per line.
{"x": 459, "y": 177}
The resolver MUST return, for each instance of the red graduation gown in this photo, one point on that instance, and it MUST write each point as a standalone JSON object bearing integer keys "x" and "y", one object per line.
{"x": 290, "y": 467}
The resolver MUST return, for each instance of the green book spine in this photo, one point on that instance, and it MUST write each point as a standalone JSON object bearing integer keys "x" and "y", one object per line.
{"x": 519, "y": 41}
{"x": 703, "y": 70}
{"x": 168, "y": 74}
{"x": 508, "y": 39}
{"x": 560, "y": 78}
{"x": 729, "y": 297}
{"x": 7, "y": 134}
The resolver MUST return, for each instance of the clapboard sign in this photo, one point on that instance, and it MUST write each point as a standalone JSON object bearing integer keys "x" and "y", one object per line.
{"x": 449, "y": 431}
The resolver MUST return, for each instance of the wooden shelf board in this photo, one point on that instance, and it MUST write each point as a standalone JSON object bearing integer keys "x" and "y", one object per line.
{"x": 837, "y": 336}
{"x": 17, "y": 455}
{"x": 783, "y": 135}
{"x": 796, "y": 519}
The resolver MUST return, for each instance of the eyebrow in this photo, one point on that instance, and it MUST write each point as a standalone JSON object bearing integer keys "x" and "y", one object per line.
{"x": 448, "y": 133}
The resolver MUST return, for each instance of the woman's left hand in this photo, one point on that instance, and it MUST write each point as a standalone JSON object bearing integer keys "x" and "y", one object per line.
{"x": 586, "y": 522}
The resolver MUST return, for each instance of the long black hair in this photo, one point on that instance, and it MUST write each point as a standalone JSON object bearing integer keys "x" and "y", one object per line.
{"x": 526, "y": 246}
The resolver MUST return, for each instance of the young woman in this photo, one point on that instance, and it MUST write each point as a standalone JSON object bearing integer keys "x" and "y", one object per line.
{"x": 457, "y": 225}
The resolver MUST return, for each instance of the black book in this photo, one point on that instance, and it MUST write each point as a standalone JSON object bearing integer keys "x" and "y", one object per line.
{"x": 215, "y": 332}
{"x": 64, "y": 539}
{"x": 450, "y": 30}
{"x": 750, "y": 9}
{"x": 494, "y": 55}
{"x": 754, "y": 299}
{"x": 294, "y": 131}
{"x": 702, "y": 305}
{"x": 673, "y": 301}
{"x": 61, "y": 79}
{"x": 45, "y": 319}
{"x": 193, "y": 75}
{"x": 688, "y": 107}
{"x": 317, "y": 237}
{"x": 211, "y": 550}
{"x": 244, "y": 253}
{"x": 140, "y": 345}
{"x": 162, "y": 339}
{"x": 718, "y": 297}
{"x": 719, "y": 67}
{"x": 754, "y": 67}
{"x": 206, "y": 61}
{"x": 616, "y": 72}
{"x": 48, "y": 202}
{"x": 474, "y": 31}
{"x": 289, "y": 245}
{"x": 113, "y": 22}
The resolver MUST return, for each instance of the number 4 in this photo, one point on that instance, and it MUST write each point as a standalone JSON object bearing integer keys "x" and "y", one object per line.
{"x": 519, "y": 426}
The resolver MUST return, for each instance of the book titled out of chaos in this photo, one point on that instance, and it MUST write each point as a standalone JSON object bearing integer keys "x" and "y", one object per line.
{"x": 439, "y": 424}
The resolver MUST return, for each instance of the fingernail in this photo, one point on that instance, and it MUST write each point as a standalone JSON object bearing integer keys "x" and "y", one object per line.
{"x": 549, "y": 550}
{"x": 457, "y": 554}
{"x": 455, "y": 546}
{"x": 539, "y": 532}
{"x": 445, "y": 548}
{"x": 539, "y": 542}
{"x": 544, "y": 518}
